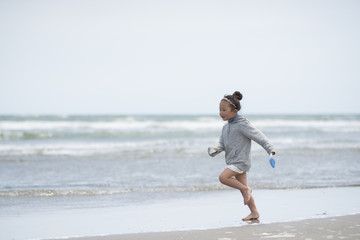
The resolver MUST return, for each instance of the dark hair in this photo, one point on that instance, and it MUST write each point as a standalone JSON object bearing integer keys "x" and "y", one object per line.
{"x": 234, "y": 100}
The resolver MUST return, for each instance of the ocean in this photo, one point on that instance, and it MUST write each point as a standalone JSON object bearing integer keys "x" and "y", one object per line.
{"x": 75, "y": 162}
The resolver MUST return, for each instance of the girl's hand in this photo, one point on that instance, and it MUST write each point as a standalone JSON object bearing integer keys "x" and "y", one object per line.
{"x": 213, "y": 151}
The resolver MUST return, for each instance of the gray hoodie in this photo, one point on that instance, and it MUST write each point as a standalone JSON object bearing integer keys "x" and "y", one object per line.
{"x": 236, "y": 139}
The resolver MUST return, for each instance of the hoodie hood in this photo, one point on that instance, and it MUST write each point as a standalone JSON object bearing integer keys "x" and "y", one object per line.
{"x": 237, "y": 118}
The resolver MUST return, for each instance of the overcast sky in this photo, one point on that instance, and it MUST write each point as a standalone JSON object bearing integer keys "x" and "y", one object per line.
{"x": 175, "y": 57}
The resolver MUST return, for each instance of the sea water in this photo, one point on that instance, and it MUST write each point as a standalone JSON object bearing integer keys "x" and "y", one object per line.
{"x": 72, "y": 163}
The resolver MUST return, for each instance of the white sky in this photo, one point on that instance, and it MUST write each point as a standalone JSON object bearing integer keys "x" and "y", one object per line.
{"x": 174, "y": 57}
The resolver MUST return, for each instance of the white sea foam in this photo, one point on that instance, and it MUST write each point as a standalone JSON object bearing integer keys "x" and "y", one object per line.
{"x": 321, "y": 125}
{"x": 120, "y": 124}
{"x": 77, "y": 148}
{"x": 192, "y": 124}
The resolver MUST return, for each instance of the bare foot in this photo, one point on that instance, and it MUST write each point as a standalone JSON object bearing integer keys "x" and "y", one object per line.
{"x": 247, "y": 195}
{"x": 252, "y": 216}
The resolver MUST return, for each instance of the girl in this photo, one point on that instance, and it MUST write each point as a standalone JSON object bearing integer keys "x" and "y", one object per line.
{"x": 235, "y": 140}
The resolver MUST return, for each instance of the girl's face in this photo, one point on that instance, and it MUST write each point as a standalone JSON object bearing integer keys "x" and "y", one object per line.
{"x": 226, "y": 112}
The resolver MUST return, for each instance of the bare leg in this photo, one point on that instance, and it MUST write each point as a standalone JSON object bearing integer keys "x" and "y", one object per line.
{"x": 254, "y": 214}
{"x": 227, "y": 178}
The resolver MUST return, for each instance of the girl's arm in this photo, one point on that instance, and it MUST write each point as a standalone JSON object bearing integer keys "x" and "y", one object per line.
{"x": 213, "y": 151}
{"x": 257, "y": 136}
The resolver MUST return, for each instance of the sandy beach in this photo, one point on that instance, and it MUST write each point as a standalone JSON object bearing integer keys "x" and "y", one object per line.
{"x": 344, "y": 227}
{"x": 298, "y": 214}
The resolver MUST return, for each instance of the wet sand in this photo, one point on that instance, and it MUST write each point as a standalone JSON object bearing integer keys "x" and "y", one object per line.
{"x": 343, "y": 227}
{"x": 292, "y": 213}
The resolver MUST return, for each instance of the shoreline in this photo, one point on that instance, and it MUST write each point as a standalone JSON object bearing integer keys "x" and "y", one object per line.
{"x": 339, "y": 227}
{"x": 185, "y": 213}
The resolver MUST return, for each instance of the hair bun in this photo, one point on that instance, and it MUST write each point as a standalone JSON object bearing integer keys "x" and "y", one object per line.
{"x": 238, "y": 95}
